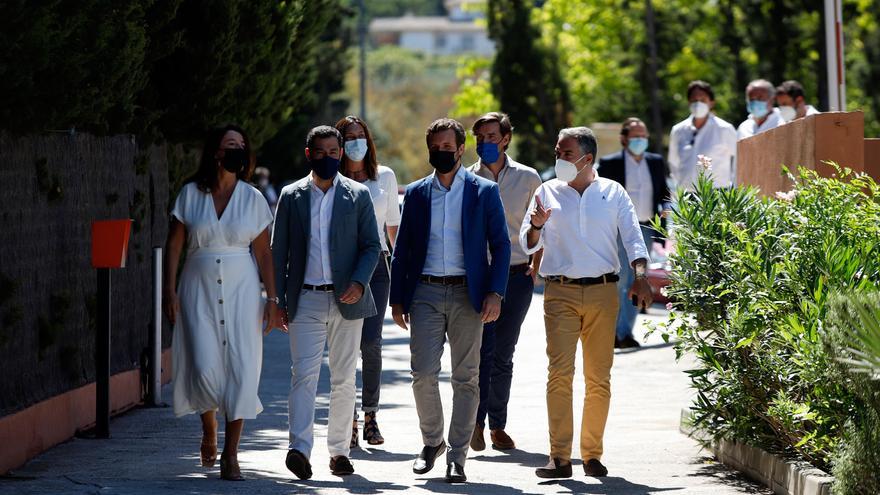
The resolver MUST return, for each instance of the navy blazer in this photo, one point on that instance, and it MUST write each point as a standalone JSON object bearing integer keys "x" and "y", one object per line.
{"x": 613, "y": 167}
{"x": 483, "y": 226}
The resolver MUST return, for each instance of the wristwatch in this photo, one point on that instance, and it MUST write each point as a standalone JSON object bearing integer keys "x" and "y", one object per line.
{"x": 275, "y": 300}
{"x": 641, "y": 271}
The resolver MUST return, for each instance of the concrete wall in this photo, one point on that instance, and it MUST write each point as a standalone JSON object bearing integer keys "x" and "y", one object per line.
{"x": 807, "y": 142}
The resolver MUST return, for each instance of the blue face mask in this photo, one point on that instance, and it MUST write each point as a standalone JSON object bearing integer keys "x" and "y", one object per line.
{"x": 758, "y": 108}
{"x": 488, "y": 152}
{"x": 637, "y": 145}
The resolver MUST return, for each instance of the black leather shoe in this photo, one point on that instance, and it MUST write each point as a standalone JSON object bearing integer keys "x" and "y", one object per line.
{"x": 425, "y": 460}
{"x": 556, "y": 470}
{"x": 455, "y": 473}
{"x": 341, "y": 466}
{"x": 298, "y": 464}
{"x": 627, "y": 342}
{"x": 595, "y": 468}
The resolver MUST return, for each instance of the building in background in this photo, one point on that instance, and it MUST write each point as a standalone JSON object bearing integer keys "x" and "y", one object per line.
{"x": 461, "y": 31}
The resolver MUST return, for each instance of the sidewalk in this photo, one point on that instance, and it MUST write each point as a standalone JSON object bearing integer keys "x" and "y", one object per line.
{"x": 151, "y": 452}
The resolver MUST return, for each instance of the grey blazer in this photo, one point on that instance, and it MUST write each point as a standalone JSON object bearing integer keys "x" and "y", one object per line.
{"x": 354, "y": 244}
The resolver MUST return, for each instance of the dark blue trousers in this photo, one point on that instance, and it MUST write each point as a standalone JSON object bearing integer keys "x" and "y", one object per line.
{"x": 496, "y": 352}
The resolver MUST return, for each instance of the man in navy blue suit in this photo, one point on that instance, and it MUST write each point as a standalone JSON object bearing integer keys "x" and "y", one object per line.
{"x": 443, "y": 283}
{"x": 643, "y": 175}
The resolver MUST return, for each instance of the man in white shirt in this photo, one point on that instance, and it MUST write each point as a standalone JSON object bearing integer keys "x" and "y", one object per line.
{"x": 760, "y": 96}
{"x": 576, "y": 218}
{"x": 517, "y": 183}
{"x": 325, "y": 245}
{"x": 702, "y": 133}
{"x": 792, "y": 103}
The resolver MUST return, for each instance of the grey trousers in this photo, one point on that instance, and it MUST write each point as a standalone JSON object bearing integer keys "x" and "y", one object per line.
{"x": 441, "y": 312}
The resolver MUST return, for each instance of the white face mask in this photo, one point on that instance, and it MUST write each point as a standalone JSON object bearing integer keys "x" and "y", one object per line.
{"x": 787, "y": 113}
{"x": 567, "y": 171}
{"x": 699, "y": 109}
{"x": 356, "y": 149}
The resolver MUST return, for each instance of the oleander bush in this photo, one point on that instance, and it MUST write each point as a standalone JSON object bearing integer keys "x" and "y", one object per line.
{"x": 751, "y": 281}
{"x": 853, "y": 338}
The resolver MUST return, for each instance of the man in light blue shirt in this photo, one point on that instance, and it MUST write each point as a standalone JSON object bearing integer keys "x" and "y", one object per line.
{"x": 441, "y": 277}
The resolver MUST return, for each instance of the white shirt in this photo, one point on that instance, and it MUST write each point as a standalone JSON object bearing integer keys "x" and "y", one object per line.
{"x": 383, "y": 191}
{"x": 716, "y": 139}
{"x": 318, "y": 262}
{"x": 445, "y": 256}
{"x": 639, "y": 186}
{"x": 750, "y": 126}
{"x": 517, "y": 184}
{"x": 580, "y": 237}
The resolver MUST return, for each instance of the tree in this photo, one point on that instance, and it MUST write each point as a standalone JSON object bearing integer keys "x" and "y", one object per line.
{"x": 527, "y": 81}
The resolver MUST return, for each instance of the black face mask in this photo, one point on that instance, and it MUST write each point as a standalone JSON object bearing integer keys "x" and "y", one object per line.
{"x": 326, "y": 167}
{"x": 235, "y": 160}
{"x": 442, "y": 161}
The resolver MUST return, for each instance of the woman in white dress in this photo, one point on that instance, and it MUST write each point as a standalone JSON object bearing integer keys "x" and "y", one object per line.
{"x": 216, "y": 309}
{"x": 359, "y": 163}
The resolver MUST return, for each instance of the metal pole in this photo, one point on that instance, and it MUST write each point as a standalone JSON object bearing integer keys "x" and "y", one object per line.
{"x": 155, "y": 372}
{"x": 362, "y": 34}
{"x": 834, "y": 56}
{"x": 102, "y": 357}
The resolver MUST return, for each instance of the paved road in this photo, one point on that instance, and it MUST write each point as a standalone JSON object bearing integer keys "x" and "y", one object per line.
{"x": 151, "y": 452}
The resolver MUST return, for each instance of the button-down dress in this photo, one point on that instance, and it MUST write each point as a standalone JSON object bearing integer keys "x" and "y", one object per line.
{"x": 217, "y": 342}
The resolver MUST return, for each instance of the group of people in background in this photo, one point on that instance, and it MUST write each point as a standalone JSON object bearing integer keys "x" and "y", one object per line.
{"x": 458, "y": 264}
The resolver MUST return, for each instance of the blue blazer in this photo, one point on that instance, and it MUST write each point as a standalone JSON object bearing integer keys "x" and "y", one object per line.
{"x": 483, "y": 226}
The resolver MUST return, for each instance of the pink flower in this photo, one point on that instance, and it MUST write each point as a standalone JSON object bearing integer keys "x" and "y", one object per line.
{"x": 669, "y": 306}
{"x": 704, "y": 161}
{"x": 786, "y": 196}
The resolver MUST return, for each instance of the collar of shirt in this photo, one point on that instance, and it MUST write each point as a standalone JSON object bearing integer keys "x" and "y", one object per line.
{"x": 485, "y": 172}
{"x": 318, "y": 189}
{"x": 459, "y": 178}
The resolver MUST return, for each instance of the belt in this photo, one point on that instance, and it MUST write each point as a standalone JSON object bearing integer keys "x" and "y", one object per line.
{"x": 450, "y": 280}
{"x": 320, "y": 288}
{"x": 522, "y": 268}
{"x": 604, "y": 279}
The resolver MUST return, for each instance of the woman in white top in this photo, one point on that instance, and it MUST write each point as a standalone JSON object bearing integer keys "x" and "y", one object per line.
{"x": 216, "y": 309}
{"x": 359, "y": 163}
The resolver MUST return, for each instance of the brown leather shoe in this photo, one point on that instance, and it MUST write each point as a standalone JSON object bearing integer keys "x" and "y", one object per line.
{"x": 478, "y": 443}
{"x": 595, "y": 468}
{"x": 501, "y": 440}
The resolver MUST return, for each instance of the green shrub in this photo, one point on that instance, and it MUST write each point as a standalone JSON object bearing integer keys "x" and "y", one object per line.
{"x": 751, "y": 279}
{"x": 852, "y": 338}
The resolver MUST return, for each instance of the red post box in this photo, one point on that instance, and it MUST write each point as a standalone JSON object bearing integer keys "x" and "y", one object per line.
{"x": 110, "y": 243}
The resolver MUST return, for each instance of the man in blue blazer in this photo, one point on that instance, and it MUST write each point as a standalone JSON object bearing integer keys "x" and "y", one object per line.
{"x": 442, "y": 281}
{"x": 325, "y": 245}
{"x": 643, "y": 175}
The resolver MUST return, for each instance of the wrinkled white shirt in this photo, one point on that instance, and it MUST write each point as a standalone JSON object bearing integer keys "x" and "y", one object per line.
{"x": 445, "y": 256}
{"x": 318, "y": 262}
{"x": 717, "y": 140}
{"x": 750, "y": 126}
{"x": 580, "y": 237}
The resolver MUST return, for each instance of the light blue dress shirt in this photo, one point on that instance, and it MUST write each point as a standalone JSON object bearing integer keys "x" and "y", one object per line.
{"x": 445, "y": 255}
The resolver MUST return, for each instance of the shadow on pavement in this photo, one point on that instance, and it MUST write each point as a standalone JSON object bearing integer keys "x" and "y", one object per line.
{"x": 515, "y": 456}
{"x": 377, "y": 454}
{"x": 607, "y": 485}
{"x": 711, "y": 468}
{"x": 439, "y": 485}
{"x": 354, "y": 483}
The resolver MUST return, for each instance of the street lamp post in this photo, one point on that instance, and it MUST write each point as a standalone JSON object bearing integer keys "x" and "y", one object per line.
{"x": 834, "y": 51}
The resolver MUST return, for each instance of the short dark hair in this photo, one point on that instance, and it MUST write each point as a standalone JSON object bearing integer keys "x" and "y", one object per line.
{"x": 206, "y": 176}
{"x": 322, "y": 132}
{"x": 791, "y": 88}
{"x": 624, "y": 129}
{"x": 702, "y": 86}
{"x": 445, "y": 124}
{"x": 502, "y": 119}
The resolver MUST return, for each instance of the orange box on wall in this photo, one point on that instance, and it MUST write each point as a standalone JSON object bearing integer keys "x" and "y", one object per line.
{"x": 110, "y": 243}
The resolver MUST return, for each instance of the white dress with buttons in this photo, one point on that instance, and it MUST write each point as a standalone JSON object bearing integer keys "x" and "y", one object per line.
{"x": 217, "y": 343}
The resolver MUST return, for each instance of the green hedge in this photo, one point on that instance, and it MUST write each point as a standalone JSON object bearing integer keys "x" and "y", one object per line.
{"x": 751, "y": 281}
{"x": 170, "y": 68}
